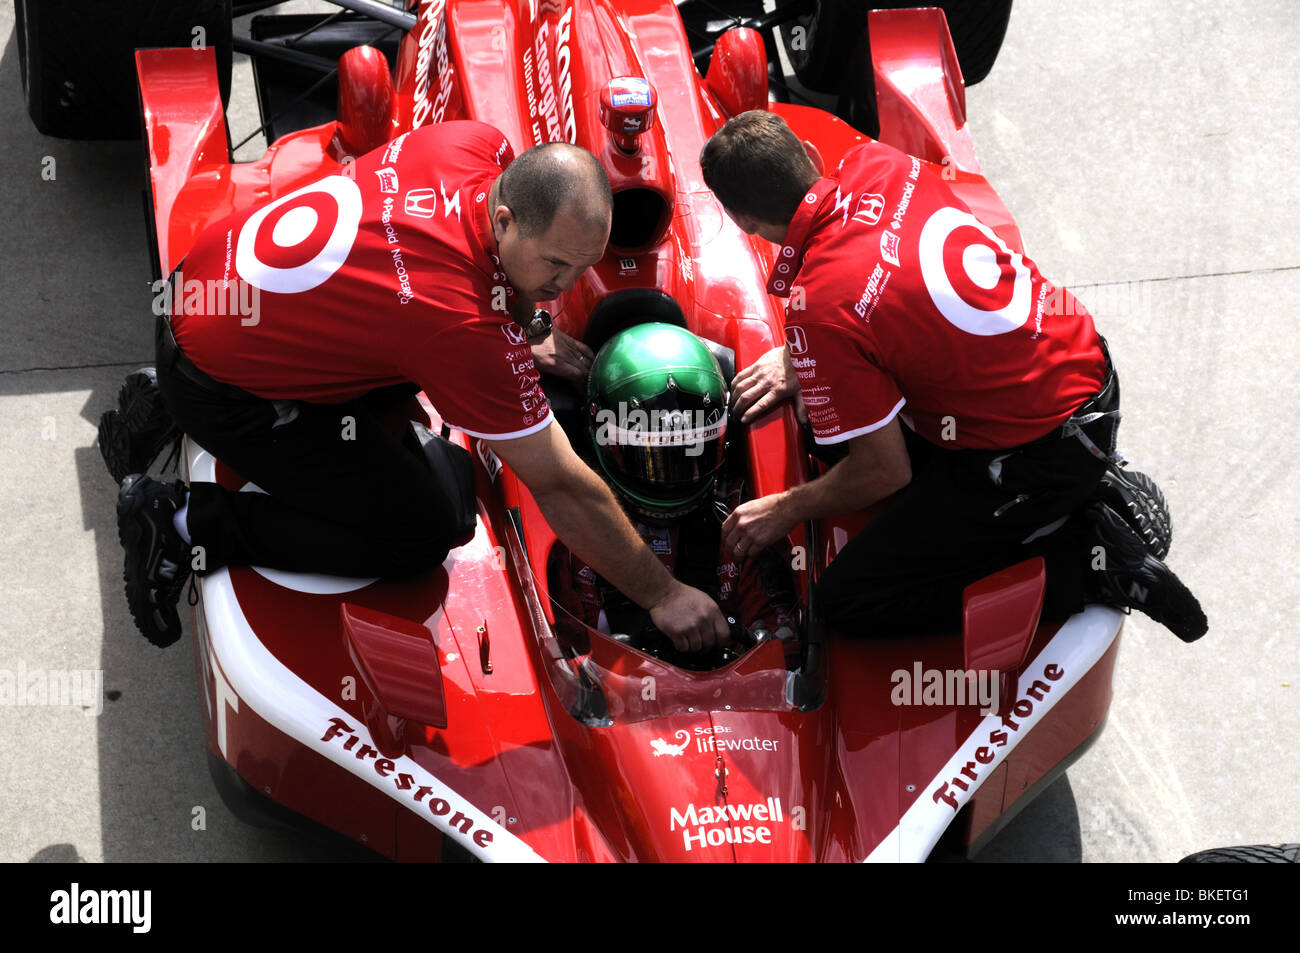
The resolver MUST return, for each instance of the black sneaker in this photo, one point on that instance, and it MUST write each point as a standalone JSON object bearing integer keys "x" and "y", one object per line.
{"x": 157, "y": 558}
{"x": 1136, "y": 498}
{"x": 132, "y": 435}
{"x": 1135, "y": 579}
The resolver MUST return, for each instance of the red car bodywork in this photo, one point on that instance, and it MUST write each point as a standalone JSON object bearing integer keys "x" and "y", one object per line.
{"x": 479, "y": 744}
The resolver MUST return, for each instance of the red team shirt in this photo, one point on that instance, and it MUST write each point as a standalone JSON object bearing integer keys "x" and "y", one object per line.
{"x": 902, "y": 302}
{"x": 384, "y": 275}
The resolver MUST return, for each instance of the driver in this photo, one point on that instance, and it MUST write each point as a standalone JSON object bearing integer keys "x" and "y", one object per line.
{"x": 657, "y": 424}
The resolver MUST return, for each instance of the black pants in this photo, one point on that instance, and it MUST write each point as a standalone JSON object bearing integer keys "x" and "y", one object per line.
{"x": 346, "y": 496}
{"x": 953, "y": 524}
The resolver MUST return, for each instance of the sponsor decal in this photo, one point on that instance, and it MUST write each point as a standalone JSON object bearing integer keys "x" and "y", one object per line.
{"x": 804, "y": 367}
{"x": 816, "y": 396}
{"x": 514, "y": 333}
{"x": 394, "y": 148}
{"x": 889, "y": 244}
{"x": 555, "y": 112}
{"x": 387, "y": 181}
{"x": 870, "y": 205}
{"x": 872, "y": 292}
{"x": 977, "y": 265}
{"x": 491, "y": 462}
{"x": 421, "y": 203}
{"x": 630, "y": 91}
{"x": 432, "y": 47}
{"x": 298, "y": 241}
{"x": 404, "y": 292}
{"x": 843, "y": 202}
{"x": 1005, "y": 731}
{"x": 720, "y": 824}
{"x": 660, "y": 541}
{"x": 908, "y": 188}
{"x": 707, "y": 741}
{"x": 457, "y": 815}
{"x": 661, "y": 747}
{"x": 627, "y": 266}
{"x": 450, "y": 203}
{"x": 795, "y": 339}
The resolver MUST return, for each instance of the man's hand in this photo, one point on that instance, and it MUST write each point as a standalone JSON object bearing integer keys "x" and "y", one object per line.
{"x": 564, "y": 356}
{"x": 757, "y": 524}
{"x": 690, "y": 619}
{"x": 585, "y": 515}
{"x": 763, "y": 385}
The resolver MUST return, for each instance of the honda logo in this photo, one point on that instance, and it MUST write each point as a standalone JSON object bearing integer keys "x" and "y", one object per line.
{"x": 795, "y": 339}
{"x": 869, "y": 208}
{"x": 514, "y": 334}
{"x": 421, "y": 203}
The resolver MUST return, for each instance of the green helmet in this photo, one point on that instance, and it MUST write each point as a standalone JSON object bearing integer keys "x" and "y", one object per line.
{"x": 657, "y": 415}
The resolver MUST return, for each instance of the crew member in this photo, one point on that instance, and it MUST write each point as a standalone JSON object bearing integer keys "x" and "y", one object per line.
{"x": 420, "y": 265}
{"x": 904, "y": 305}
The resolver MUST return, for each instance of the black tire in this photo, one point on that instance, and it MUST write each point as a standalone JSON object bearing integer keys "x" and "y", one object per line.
{"x": 1254, "y": 854}
{"x": 831, "y": 32}
{"x": 77, "y": 59}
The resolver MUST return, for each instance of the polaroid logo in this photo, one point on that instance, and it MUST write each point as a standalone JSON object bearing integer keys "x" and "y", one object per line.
{"x": 948, "y": 687}
{"x": 903, "y": 203}
{"x": 76, "y": 906}
{"x": 659, "y": 428}
{"x": 66, "y": 688}
{"x": 721, "y": 824}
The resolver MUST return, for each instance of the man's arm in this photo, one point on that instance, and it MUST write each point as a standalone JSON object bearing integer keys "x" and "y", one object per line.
{"x": 585, "y": 515}
{"x": 877, "y": 465}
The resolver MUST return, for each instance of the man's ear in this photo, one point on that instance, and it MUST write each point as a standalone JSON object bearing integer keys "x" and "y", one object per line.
{"x": 502, "y": 217}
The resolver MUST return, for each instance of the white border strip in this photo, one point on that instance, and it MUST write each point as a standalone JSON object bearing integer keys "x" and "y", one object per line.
{"x": 293, "y": 707}
{"x": 1074, "y": 650}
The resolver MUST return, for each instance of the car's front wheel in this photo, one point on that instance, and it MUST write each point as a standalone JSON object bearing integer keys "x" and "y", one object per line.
{"x": 77, "y": 59}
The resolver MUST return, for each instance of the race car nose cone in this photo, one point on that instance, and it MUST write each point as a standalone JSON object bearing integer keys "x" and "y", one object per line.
{"x": 627, "y": 109}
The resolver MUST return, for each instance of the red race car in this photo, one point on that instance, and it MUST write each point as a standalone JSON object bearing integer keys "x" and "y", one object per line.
{"x": 450, "y": 715}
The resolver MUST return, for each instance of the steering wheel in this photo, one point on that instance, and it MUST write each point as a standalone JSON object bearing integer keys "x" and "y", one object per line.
{"x": 653, "y": 642}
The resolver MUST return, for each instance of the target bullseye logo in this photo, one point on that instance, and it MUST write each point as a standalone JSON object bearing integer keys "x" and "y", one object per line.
{"x": 977, "y": 282}
{"x": 299, "y": 240}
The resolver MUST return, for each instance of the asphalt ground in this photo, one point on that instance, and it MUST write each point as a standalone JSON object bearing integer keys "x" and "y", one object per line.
{"x": 1147, "y": 152}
